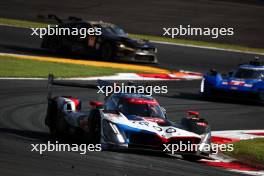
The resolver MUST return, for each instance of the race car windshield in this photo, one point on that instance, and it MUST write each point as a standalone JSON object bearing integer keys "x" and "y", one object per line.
{"x": 249, "y": 73}
{"x": 114, "y": 30}
{"x": 144, "y": 110}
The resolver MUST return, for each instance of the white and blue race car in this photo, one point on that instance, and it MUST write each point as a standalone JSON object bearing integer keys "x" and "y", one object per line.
{"x": 127, "y": 121}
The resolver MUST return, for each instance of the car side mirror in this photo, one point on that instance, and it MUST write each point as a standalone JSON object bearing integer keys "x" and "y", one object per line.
{"x": 230, "y": 73}
{"x": 194, "y": 114}
{"x": 96, "y": 104}
{"x": 164, "y": 111}
{"x": 212, "y": 72}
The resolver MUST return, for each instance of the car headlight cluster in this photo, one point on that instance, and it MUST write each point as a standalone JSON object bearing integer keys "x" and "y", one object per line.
{"x": 121, "y": 45}
{"x": 124, "y": 47}
{"x": 112, "y": 133}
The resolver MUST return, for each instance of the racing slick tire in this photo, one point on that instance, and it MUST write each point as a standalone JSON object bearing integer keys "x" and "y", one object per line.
{"x": 106, "y": 52}
{"x": 207, "y": 91}
{"x": 94, "y": 126}
{"x": 54, "y": 45}
{"x": 58, "y": 127}
{"x": 51, "y": 117}
{"x": 261, "y": 97}
{"x": 191, "y": 124}
{"x": 61, "y": 127}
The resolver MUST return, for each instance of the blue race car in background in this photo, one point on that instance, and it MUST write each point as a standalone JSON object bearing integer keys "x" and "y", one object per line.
{"x": 246, "y": 81}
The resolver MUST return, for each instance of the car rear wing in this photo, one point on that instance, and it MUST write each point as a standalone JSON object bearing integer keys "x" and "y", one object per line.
{"x": 52, "y": 81}
{"x": 59, "y": 20}
{"x": 100, "y": 83}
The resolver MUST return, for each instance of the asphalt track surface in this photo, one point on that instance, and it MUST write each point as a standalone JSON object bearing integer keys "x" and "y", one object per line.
{"x": 151, "y": 16}
{"x": 24, "y": 104}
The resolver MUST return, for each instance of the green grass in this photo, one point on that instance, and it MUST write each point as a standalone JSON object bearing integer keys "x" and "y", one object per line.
{"x": 30, "y": 24}
{"x": 249, "y": 152}
{"x": 22, "y": 23}
{"x": 11, "y": 67}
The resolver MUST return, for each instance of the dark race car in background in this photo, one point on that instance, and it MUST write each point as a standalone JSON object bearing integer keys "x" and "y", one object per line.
{"x": 126, "y": 121}
{"x": 246, "y": 81}
{"x": 113, "y": 43}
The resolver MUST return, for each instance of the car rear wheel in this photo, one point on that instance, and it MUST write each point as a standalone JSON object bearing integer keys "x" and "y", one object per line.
{"x": 207, "y": 91}
{"x": 62, "y": 127}
{"x": 261, "y": 97}
{"x": 107, "y": 52}
{"x": 54, "y": 45}
{"x": 51, "y": 116}
{"x": 94, "y": 126}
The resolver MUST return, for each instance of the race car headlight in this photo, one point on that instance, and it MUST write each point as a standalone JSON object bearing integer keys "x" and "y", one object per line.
{"x": 112, "y": 133}
{"x": 124, "y": 47}
{"x": 121, "y": 45}
{"x": 114, "y": 128}
{"x": 118, "y": 134}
